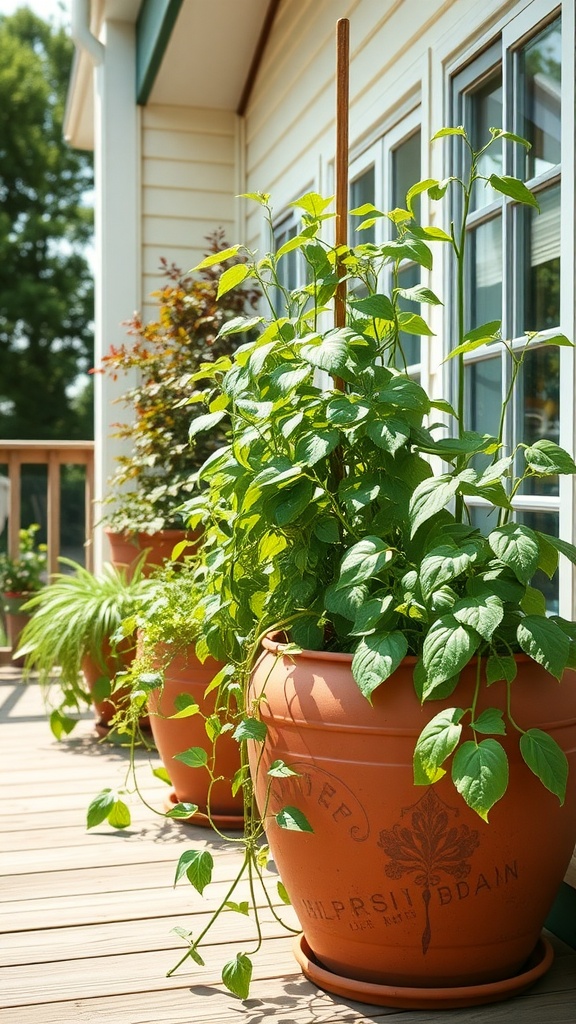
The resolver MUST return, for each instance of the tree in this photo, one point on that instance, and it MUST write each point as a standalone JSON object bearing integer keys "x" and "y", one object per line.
{"x": 46, "y": 292}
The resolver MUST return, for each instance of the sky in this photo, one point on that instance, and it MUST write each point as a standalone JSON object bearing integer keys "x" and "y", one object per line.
{"x": 59, "y": 10}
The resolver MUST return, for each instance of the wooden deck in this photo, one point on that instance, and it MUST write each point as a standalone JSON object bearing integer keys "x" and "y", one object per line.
{"x": 86, "y": 917}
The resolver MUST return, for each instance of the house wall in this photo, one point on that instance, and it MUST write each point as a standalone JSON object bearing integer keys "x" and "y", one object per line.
{"x": 188, "y": 184}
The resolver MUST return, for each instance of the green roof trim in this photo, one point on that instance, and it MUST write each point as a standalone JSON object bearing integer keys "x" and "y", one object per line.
{"x": 156, "y": 20}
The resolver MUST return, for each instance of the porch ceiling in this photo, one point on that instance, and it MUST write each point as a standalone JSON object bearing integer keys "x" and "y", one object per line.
{"x": 209, "y": 53}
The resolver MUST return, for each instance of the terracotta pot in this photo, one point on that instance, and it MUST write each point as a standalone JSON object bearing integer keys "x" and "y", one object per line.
{"x": 106, "y": 707}
{"x": 125, "y": 548}
{"x": 186, "y": 674}
{"x": 15, "y": 620}
{"x": 400, "y": 885}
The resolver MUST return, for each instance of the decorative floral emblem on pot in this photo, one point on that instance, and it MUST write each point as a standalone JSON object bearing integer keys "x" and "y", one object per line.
{"x": 429, "y": 847}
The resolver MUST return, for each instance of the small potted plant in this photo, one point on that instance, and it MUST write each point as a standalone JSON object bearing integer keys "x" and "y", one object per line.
{"x": 407, "y": 699}
{"x": 20, "y": 578}
{"x": 178, "y": 688}
{"x": 151, "y": 482}
{"x": 71, "y": 641}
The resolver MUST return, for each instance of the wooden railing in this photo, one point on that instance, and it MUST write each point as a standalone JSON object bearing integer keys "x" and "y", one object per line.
{"x": 53, "y": 455}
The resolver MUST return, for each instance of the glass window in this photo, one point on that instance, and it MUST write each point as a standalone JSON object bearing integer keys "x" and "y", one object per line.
{"x": 514, "y": 253}
{"x": 539, "y": 92}
{"x": 406, "y": 171}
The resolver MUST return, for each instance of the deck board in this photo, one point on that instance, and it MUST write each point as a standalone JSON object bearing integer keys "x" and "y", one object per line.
{"x": 86, "y": 917}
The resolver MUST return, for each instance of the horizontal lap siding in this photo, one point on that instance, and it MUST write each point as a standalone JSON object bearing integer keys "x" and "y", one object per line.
{"x": 188, "y": 188}
{"x": 290, "y": 124}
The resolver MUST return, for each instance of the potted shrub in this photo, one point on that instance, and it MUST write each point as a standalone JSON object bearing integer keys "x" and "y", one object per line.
{"x": 150, "y": 483}
{"x": 180, "y": 695}
{"x": 412, "y": 684}
{"x": 71, "y": 641}
{"x": 20, "y": 578}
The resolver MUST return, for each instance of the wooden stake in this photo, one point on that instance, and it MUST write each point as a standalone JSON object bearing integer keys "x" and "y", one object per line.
{"x": 342, "y": 87}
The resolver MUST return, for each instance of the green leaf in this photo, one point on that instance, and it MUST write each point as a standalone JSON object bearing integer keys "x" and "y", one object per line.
{"x": 390, "y": 434}
{"x": 533, "y": 602}
{"x": 205, "y": 422}
{"x": 231, "y": 278}
{"x": 438, "y": 739}
{"x": 544, "y": 641}
{"x": 546, "y": 759}
{"x": 61, "y": 724}
{"x": 186, "y": 705}
{"x": 283, "y": 894}
{"x": 370, "y": 614}
{"x": 99, "y": 808}
{"x": 197, "y": 865}
{"x": 480, "y": 774}
{"x": 328, "y": 352}
{"x": 162, "y": 774}
{"x": 315, "y": 446}
{"x": 484, "y": 613}
{"x": 547, "y": 459}
{"x": 443, "y": 132}
{"x": 194, "y": 757}
{"x": 563, "y": 546}
{"x": 239, "y": 325}
{"x": 280, "y": 770}
{"x": 237, "y": 975}
{"x": 376, "y": 658}
{"x": 345, "y": 600}
{"x": 292, "y": 819}
{"x": 293, "y": 502}
{"x": 241, "y": 775}
{"x": 429, "y": 497}
{"x": 250, "y": 729}
{"x": 119, "y": 816}
{"x": 418, "y": 293}
{"x": 448, "y": 646}
{"x": 411, "y": 323}
{"x": 377, "y": 306}
{"x": 362, "y": 561}
{"x": 517, "y": 546}
{"x": 238, "y": 908}
{"x": 548, "y": 558}
{"x": 443, "y": 564}
{"x": 490, "y": 721}
{"x": 217, "y": 257}
{"x": 182, "y": 810}
{"x": 500, "y": 666}
{"x": 514, "y": 188}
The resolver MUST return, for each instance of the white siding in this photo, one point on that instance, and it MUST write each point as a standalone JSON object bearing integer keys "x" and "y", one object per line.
{"x": 188, "y": 185}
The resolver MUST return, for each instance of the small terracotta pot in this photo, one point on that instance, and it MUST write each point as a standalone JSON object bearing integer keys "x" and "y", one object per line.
{"x": 186, "y": 674}
{"x": 400, "y": 885}
{"x": 126, "y": 548}
{"x": 15, "y": 620}
{"x": 105, "y": 708}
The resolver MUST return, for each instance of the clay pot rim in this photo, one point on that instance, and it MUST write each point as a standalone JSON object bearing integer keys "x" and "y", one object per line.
{"x": 273, "y": 644}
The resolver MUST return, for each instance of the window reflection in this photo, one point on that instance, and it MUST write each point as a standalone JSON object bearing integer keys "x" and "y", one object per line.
{"x": 483, "y": 382}
{"x": 485, "y": 112}
{"x": 540, "y": 93}
{"x": 541, "y": 262}
{"x": 538, "y": 408}
{"x": 485, "y": 273}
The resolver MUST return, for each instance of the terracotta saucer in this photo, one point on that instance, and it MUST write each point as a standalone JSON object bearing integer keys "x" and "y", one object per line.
{"x": 423, "y": 998}
{"x": 222, "y": 821}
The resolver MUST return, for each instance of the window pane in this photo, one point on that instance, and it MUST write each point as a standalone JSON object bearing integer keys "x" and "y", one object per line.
{"x": 288, "y": 265}
{"x": 546, "y": 522}
{"x": 406, "y": 171}
{"x": 483, "y": 383}
{"x": 541, "y": 247}
{"x": 485, "y": 273}
{"x": 361, "y": 191}
{"x": 484, "y": 111}
{"x": 538, "y": 408}
{"x": 540, "y": 94}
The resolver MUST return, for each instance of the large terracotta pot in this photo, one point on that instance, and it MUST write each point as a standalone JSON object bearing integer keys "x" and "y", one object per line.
{"x": 399, "y": 886}
{"x": 125, "y": 548}
{"x": 186, "y": 674}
